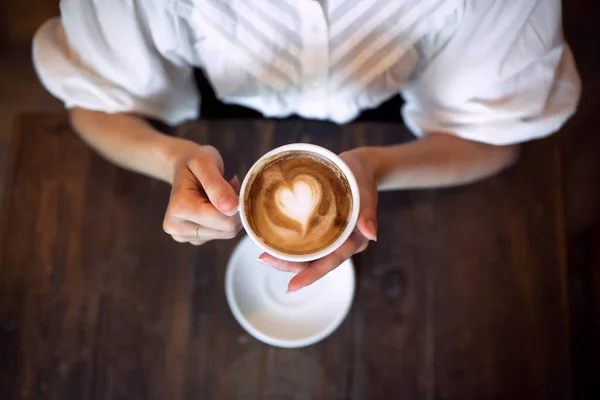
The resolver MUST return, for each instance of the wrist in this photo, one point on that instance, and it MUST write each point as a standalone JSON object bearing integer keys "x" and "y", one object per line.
{"x": 388, "y": 166}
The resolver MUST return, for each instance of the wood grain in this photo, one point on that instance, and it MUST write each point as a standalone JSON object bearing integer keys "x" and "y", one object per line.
{"x": 463, "y": 297}
{"x": 580, "y": 144}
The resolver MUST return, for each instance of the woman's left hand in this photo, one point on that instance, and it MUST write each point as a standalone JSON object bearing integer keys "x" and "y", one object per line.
{"x": 366, "y": 230}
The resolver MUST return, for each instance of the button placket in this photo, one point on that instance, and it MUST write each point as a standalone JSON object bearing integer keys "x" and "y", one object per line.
{"x": 314, "y": 59}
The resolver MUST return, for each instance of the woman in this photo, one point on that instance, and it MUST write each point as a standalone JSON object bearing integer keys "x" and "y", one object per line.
{"x": 478, "y": 78}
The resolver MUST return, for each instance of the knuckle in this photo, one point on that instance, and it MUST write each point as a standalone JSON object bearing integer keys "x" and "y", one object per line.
{"x": 208, "y": 155}
{"x": 229, "y": 235}
{"x": 211, "y": 152}
{"x": 195, "y": 161}
{"x": 210, "y": 149}
{"x": 172, "y": 228}
{"x": 167, "y": 226}
{"x": 357, "y": 240}
{"x": 230, "y": 226}
{"x": 362, "y": 248}
{"x": 179, "y": 239}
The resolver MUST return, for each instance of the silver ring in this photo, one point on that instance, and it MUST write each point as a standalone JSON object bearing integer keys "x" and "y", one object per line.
{"x": 196, "y": 232}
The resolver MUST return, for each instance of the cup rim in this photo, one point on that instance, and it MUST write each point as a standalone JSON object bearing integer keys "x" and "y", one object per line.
{"x": 352, "y": 220}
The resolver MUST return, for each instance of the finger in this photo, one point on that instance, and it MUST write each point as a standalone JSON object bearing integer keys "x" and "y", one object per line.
{"x": 362, "y": 248}
{"x": 235, "y": 184}
{"x": 187, "y": 239}
{"x": 192, "y": 230}
{"x": 367, "y": 220}
{"x": 218, "y": 236}
{"x": 219, "y": 191}
{"x": 323, "y": 266}
{"x": 210, "y": 234}
{"x": 180, "y": 239}
{"x": 198, "y": 210}
{"x": 281, "y": 265}
{"x": 367, "y": 227}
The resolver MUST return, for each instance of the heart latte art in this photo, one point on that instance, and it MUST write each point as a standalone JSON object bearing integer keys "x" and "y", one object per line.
{"x": 298, "y": 203}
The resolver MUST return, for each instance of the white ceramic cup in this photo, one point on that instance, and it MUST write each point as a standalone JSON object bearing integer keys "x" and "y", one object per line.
{"x": 353, "y": 218}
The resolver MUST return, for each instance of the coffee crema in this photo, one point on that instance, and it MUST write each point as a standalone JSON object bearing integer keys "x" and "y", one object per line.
{"x": 299, "y": 202}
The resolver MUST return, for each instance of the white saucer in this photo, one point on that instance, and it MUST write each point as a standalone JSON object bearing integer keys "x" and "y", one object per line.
{"x": 257, "y": 297}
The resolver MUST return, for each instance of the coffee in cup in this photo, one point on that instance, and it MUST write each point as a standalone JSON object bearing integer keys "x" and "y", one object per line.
{"x": 299, "y": 202}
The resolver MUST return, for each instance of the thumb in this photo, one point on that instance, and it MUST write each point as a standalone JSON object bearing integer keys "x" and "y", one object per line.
{"x": 367, "y": 218}
{"x": 220, "y": 193}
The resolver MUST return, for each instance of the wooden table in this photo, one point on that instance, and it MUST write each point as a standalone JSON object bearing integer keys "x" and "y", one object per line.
{"x": 463, "y": 297}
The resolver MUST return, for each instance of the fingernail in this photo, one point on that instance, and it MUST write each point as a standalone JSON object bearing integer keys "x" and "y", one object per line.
{"x": 260, "y": 260}
{"x": 372, "y": 230}
{"x": 227, "y": 204}
{"x": 289, "y": 291}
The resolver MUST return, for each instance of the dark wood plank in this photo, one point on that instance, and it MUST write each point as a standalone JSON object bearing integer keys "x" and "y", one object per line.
{"x": 580, "y": 143}
{"x": 464, "y": 296}
{"x": 501, "y": 311}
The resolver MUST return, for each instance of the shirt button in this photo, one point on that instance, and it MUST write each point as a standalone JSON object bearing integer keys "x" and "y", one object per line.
{"x": 315, "y": 84}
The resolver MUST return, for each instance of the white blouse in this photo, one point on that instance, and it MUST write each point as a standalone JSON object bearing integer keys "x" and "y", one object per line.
{"x": 495, "y": 71}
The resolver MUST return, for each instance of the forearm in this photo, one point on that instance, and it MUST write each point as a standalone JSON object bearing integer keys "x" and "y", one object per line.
{"x": 436, "y": 161}
{"x": 130, "y": 142}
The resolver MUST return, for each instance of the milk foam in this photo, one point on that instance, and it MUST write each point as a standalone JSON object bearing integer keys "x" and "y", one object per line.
{"x": 299, "y": 201}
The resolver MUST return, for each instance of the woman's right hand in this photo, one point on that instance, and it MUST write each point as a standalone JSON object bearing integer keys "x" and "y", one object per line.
{"x": 203, "y": 205}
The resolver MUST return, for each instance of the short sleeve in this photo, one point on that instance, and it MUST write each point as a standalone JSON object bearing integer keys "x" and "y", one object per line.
{"x": 103, "y": 56}
{"x": 505, "y": 76}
